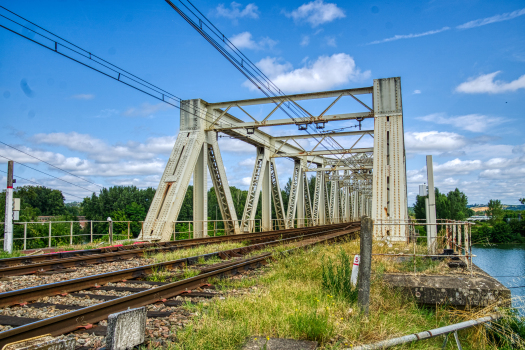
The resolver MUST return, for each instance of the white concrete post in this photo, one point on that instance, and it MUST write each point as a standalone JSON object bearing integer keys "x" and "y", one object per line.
{"x": 432, "y": 229}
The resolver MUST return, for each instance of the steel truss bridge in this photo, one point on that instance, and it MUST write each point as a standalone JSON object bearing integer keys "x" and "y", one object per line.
{"x": 349, "y": 182}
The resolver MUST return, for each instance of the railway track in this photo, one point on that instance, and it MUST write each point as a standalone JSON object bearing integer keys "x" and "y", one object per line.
{"x": 46, "y": 262}
{"x": 91, "y": 299}
{"x": 44, "y": 265}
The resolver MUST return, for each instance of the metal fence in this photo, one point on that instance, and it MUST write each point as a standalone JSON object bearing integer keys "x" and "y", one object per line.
{"x": 454, "y": 237}
{"x": 48, "y": 234}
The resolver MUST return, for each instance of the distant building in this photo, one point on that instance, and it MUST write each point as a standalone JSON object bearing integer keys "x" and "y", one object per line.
{"x": 479, "y": 218}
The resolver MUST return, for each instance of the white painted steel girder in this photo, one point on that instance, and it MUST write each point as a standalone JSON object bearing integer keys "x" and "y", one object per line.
{"x": 389, "y": 198}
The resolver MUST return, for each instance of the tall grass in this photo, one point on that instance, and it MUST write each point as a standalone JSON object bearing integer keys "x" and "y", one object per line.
{"x": 299, "y": 296}
{"x": 336, "y": 277}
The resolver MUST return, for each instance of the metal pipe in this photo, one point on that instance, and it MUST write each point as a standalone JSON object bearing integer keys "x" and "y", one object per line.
{"x": 426, "y": 334}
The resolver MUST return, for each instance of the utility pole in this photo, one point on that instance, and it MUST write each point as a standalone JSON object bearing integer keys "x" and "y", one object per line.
{"x": 8, "y": 222}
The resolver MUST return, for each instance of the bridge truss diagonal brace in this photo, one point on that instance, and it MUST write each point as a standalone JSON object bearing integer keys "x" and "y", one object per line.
{"x": 167, "y": 202}
{"x": 277, "y": 197}
{"x": 220, "y": 184}
{"x": 259, "y": 175}
{"x": 307, "y": 201}
{"x": 319, "y": 213}
{"x": 389, "y": 196}
{"x": 296, "y": 197}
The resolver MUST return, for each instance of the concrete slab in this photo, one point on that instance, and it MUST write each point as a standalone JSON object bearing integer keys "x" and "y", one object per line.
{"x": 460, "y": 290}
{"x": 126, "y": 329}
{"x": 45, "y": 342}
{"x": 258, "y": 343}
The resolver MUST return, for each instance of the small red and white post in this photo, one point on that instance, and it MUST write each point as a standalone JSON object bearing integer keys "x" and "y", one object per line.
{"x": 355, "y": 270}
{"x": 8, "y": 222}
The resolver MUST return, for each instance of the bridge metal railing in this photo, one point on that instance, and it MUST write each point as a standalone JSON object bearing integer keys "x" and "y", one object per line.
{"x": 453, "y": 237}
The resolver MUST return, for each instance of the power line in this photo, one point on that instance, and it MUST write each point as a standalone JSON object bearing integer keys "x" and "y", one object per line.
{"x": 266, "y": 88}
{"x": 120, "y": 73}
{"x": 54, "y": 166}
{"x": 152, "y": 90}
{"x": 20, "y": 177}
{"x": 40, "y": 171}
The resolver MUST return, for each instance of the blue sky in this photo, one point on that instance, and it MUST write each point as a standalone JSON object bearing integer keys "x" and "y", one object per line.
{"x": 461, "y": 63}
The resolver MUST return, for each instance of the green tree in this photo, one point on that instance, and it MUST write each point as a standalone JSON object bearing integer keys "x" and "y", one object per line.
{"x": 495, "y": 211}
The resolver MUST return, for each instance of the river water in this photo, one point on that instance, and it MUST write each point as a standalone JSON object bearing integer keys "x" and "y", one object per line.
{"x": 506, "y": 263}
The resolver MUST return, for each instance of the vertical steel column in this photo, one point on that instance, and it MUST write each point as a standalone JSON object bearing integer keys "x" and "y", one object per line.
{"x": 300, "y": 199}
{"x": 200, "y": 194}
{"x": 389, "y": 197}
{"x": 176, "y": 178}
{"x": 266, "y": 200}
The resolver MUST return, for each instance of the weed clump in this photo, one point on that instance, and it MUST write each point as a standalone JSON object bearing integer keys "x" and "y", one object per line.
{"x": 336, "y": 278}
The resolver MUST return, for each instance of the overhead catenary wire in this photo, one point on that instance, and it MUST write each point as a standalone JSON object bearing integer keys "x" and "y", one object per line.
{"x": 20, "y": 177}
{"x": 43, "y": 172}
{"x": 265, "y": 88}
{"x": 162, "y": 96}
{"x": 54, "y": 166}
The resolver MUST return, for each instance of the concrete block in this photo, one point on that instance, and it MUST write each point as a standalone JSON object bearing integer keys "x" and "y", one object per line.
{"x": 258, "y": 343}
{"x": 126, "y": 329}
{"x": 460, "y": 290}
{"x": 44, "y": 342}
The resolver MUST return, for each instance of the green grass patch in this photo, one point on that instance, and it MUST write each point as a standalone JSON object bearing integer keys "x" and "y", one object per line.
{"x": 305, "y": 296}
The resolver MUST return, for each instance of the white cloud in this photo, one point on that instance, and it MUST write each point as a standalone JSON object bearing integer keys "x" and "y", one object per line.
{"x": 235, "y": 11}
{"x": 330, "y": 41}
{"x": 101, "y": 152}
{"x": 486, "y": 84}
{"x": 107, "y": 113}
{"x": 305, "y": 41}
{"x": 457, "y": 167}
{"x": 316, "y": 13}
{"x": 248, "y": 162}
{"x": 324, "y": 73}
{"x": 244, "y": 40}
{"x": 433, "y": 142}
{"x": 246, "y": 181}
{"x": 497, "y": 18}
{"x": 409, "y": 36}
{"x": 236, "y": 146}
{"x": 416, "y": 92}
{"x": 83, "y": 97}
{"x": 470, "y": 122}
{"x": 146, "y": 110}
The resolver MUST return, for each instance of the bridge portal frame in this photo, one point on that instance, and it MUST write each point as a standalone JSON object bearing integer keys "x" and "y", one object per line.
{"x": 361, "y": 181}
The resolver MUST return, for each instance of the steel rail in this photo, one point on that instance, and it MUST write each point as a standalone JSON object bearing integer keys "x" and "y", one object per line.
{"x": 21, "y": 296}
{"x": 81, "y": 261}
{"x": 81, "y": 318}
{"x": 136, "y": 247}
